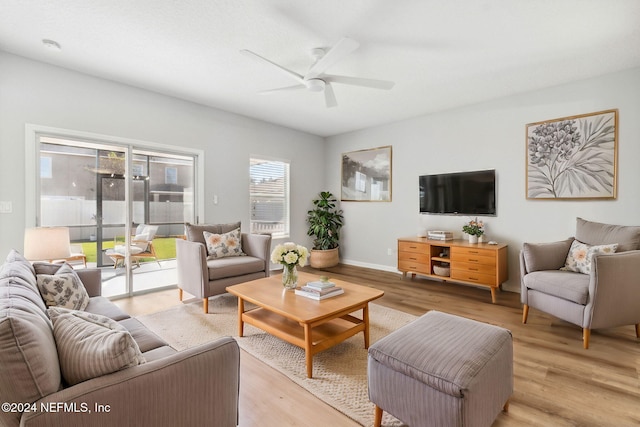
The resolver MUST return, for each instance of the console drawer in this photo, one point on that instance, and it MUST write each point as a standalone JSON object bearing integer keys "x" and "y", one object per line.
{"x": 413, "y": 247}
{"x": 476, "y": 268}
{"x": 413, "y": 257}
{"x": 478, "y": 257}
{"x": 470, "y": 276}
{"x": 413, "y": 266}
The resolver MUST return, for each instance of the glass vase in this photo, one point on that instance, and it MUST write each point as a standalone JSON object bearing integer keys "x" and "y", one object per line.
{"x": 290, "y": 277}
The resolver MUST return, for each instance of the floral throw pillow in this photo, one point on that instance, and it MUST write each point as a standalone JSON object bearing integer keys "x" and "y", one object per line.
{"x": 223, "y": 245}
{"x": 63, "y": 289}
{"x": 581, "y": 254}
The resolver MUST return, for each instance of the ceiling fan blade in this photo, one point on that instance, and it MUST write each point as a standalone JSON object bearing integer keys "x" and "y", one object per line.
{"x": 282, "y": 89}
{"x": 288, "y": 72}
{"x": 341, "y": 49}
{"x": 329, "y": 96}
{"x": 358, "y": 81}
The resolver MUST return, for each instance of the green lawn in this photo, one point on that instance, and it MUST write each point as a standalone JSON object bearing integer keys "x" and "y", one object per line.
{"x": 165, "y": 248}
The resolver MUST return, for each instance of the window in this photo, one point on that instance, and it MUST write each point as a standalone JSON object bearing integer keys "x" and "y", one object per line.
{"x": 170, "y": 175}
{"x": 269, "y": 197}
{"x": 46, "y": 167}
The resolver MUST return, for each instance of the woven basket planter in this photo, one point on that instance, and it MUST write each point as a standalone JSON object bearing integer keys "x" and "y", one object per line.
{"x": 324, "y": 259}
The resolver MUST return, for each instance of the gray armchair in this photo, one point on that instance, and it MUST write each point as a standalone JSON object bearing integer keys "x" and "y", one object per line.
{"x": 608, "y": 296}
{"x": 203, "y": 277}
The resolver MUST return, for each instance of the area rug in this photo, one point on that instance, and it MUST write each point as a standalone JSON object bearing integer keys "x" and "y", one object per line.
{"x": 339, "y": 373}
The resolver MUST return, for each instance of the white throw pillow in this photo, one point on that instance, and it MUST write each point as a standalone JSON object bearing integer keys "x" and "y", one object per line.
{"x": 63, "y": 289}
{"x": 580, "y": 256}
{"x": 223, "y": 245}
{"x": 90, "y": 345}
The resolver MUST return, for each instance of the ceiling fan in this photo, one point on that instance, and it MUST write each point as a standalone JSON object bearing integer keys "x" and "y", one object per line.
{"x": 315, "y": 80}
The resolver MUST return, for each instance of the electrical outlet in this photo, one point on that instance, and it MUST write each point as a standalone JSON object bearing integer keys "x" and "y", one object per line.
{"x": 6, "y": 207}
{"x": 389, "y": 251}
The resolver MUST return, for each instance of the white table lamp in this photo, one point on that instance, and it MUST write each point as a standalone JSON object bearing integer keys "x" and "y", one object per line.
{"x": 46, "y": 243}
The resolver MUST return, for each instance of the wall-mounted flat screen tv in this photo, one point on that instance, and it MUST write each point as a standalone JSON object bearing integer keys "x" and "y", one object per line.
{"x": 459, "y": 193}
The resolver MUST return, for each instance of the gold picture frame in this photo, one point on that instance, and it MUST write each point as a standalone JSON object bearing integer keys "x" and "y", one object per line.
{"x": 366, "y": 175}
{"x": 573, "y": 158}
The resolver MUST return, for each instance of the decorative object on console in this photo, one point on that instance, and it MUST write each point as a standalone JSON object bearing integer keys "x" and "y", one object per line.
{"x": 366, "y": 175}
{"x": 325, "y": 221}
{"x": 474, "y": 229}
{"x": 46, "y": 243}
{"x": 290, "y": 255}
{"x": 440, "y": 235}
{"x": 573, "y": 157}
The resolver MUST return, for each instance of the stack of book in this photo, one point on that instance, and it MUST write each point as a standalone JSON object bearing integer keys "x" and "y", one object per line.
{"x": 319, "y": 290}
{"x": 440, "y": 235}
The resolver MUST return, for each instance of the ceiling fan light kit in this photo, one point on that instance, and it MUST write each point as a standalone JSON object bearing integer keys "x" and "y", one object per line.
{"x": 315, "y": 80}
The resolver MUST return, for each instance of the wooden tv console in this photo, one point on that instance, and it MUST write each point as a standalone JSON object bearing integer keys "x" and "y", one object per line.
{"x": 469, "y": 263}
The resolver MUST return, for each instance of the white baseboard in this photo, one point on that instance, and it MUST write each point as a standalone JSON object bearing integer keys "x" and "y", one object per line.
{"x": 369, "y": 265}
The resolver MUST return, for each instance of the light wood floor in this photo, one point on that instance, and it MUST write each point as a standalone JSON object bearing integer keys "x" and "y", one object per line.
{"x": 557, "y": 382}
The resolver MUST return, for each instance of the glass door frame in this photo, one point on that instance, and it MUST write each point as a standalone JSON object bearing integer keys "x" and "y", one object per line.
{"x": 33, "y": 133}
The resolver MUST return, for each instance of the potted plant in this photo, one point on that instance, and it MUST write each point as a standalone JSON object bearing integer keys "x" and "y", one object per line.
{"x": 474, "y": 229}
{"x": 325, "y": 221}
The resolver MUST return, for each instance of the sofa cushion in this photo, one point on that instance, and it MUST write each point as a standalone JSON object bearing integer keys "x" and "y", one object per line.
{"x": 104, "y": 307}
{"x": 90, "y": 345}
{"x": 562, "y": 284}
{"x": 64, "y": 289}
{"x": 223, "y": 245}
{"x": 145, "y": 339}
{"x": 580, "y": 256}
{"x": 27, "y": 349}
{"x": 194, "y": 232}
{"x": 596, "y": 233}
{"x": 221, "y": 268}
{"x": 546, "y": 256}
{"x": 17, "y": 266}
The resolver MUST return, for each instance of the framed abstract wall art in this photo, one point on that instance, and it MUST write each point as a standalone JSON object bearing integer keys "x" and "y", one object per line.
{"x": 366, "y": 175}
{"x": 573, "y": 157}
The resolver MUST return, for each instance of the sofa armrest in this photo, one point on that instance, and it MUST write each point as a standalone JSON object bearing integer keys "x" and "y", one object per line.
{"x": 197, "y": 386}
{"x": 614, "y": 290}
{"x": 259, "y": 246}
{"x": 193, "y": 274}
{"x": 92, "y": 280}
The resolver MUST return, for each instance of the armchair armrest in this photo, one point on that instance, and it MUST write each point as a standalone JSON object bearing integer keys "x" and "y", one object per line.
{"x": 259, "y": 246}
{"x": 193, "y": 275}
{"x": 197, "y": 386}
{"x": 614, "y": 290}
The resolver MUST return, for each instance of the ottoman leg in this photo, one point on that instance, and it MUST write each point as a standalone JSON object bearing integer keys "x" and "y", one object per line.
{"x": 377, "y": 418}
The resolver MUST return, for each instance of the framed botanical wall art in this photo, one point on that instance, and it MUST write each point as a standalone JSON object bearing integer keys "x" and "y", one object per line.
{"x": 366, "y": 175}
{"x": 573, "y": 157}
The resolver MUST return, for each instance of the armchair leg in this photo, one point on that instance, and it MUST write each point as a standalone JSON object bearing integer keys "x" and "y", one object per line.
{"x": 525, "y": 313}
{"x": 505, "y": 408}
{"x": 637, "y": 330}
{"x": 180, "y": 293}
{"x": 586, "y": 333}
{"x": 377, "y": 418}
{"x": 205, "y": 303}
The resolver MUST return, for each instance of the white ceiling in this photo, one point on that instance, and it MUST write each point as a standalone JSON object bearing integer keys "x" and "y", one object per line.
{"x": 440, "y": 53}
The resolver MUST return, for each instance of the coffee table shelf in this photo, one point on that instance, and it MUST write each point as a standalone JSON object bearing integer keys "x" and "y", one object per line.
{"x": 323, "y": 336}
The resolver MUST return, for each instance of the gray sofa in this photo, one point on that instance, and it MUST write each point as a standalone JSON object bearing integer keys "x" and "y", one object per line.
{"x": 203, "y": 276}
{"x": 195, "y": 387}
{"x": 604, "y": 296}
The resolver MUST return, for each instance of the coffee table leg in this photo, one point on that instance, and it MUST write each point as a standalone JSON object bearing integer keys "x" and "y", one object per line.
{"x": 365, "y": 319}
{"x": 307, "y": 350}
{"x": 240, "y": 322}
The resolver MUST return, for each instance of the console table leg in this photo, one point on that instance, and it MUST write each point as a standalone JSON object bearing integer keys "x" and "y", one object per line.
{"x": 493, "y": 294}
{"x": 365, "y": 319}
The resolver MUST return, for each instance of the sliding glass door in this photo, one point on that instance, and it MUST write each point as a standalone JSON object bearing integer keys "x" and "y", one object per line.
{"x": 124, "y": 206}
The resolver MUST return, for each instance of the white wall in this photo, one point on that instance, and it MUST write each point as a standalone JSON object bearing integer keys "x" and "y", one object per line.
{"x": 490, "y": 135}
{"x": 44, "y": 95}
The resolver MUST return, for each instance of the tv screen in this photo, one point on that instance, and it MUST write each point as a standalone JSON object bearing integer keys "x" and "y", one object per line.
{"x": 460, "y": 193}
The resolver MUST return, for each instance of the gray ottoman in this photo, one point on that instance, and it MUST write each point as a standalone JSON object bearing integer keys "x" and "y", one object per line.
{"x": 442, "y": 370}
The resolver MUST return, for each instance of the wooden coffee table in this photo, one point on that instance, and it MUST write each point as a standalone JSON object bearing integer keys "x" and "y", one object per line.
{"x": 312, "y": 325}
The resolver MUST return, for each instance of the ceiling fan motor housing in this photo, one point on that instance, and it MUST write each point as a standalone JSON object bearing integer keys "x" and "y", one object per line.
{"x": 315, "y": 85}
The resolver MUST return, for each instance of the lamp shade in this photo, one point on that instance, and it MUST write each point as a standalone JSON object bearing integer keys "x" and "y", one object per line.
{"x": 46, "y": 243}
